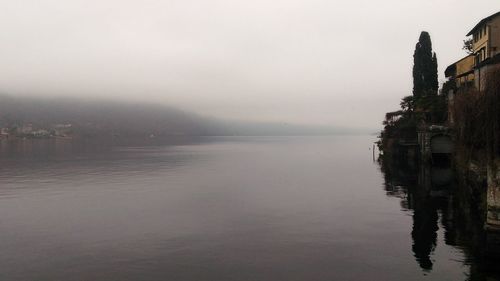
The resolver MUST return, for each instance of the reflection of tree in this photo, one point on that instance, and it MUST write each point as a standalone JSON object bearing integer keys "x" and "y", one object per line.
{"x": 424, "y": 233}
{"x": 440, "y": 203}
{"x": 402, "y": 181}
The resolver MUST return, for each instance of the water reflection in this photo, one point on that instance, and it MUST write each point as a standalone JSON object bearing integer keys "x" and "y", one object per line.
{"x": 436, "y": 200}
{"x": 296, "y": 208}
{"x": 54, "y": 148}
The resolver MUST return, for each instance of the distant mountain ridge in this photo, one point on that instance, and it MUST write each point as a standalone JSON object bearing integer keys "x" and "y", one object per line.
{"x": 91, "y": 117}
{"x": 102, "y": 117}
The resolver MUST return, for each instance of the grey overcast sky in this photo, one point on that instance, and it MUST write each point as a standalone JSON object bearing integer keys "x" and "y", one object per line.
{"x": 300, "y": 61}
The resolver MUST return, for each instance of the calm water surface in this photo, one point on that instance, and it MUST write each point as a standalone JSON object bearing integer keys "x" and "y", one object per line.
{"x": 256, "y": 208}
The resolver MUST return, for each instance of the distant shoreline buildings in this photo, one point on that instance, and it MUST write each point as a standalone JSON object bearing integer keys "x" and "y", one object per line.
{"x": 29, "y": 131}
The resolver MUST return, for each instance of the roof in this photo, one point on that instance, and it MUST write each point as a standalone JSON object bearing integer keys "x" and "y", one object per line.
{"x": 482, "y": 22}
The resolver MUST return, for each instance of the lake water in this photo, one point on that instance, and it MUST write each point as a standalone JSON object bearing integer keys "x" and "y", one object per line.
{"x": 233, "y": 208}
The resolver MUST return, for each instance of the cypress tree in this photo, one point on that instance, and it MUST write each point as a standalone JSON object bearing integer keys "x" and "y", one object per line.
{"x": 434, "y": 84}
{"x": 425, "y": 74}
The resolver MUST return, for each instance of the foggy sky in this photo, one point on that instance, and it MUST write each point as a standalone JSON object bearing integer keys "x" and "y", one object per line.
{"x": 327, "y": 62}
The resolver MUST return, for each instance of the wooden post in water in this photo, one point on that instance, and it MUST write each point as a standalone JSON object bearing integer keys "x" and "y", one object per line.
{"x": 373, "y": 152}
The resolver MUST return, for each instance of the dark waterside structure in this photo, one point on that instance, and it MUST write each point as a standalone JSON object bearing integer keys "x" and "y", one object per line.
{"x": 451, "y": 139}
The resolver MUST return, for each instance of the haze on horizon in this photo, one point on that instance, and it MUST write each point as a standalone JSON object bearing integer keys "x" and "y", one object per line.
{"x": 342, "y": 63}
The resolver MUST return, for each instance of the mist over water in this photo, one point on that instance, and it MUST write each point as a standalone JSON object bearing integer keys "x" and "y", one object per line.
{"x": 225, "y": 208}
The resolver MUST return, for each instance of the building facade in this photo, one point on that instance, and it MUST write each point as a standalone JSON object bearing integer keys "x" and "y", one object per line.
{"x": 462, "y": 72}
{"x": 472, "y": 70}
{"x": 486, "y": 38}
